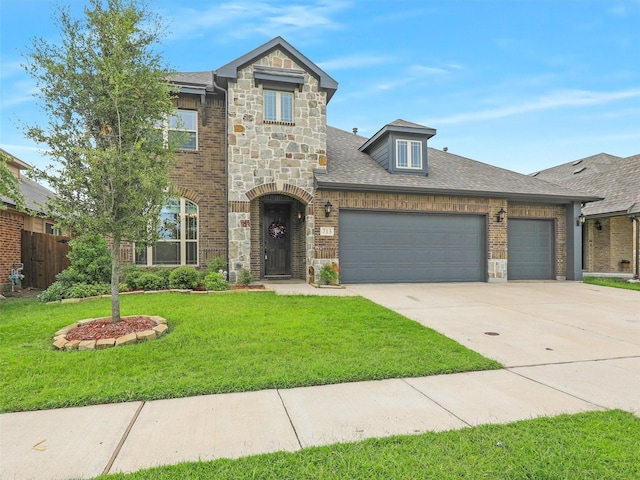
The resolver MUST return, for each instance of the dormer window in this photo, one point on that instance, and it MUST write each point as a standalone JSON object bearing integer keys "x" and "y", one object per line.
{"x": 409, "y": 154}
{"x": 278, "y": 106}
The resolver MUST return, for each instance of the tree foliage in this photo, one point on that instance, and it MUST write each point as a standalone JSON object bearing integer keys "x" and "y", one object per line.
{"x": 9, "y": 186}
{"x": 105, "y": 90}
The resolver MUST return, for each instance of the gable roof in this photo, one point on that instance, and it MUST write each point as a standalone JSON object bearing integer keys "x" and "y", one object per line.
{"x": 615, "y": 179}
{"x": 230, "y": 70}
{"x": 449, "y": 174}
{"x": 34, "y": 194}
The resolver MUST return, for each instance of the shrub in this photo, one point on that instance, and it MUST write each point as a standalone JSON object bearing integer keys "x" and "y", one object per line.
{"x": 150, "y": 281}
{"x": 329, "y": 274}
{"x": 245, "y": 277}
{"x": 56, "y": 292}
{"x": 82, "y": 290}
{"x": 184, "y": 277}
{"x": 132, "y": 276}
{"x": 89, "y": 257}
{"x": 216, "y": 264}
{"x": 215, "y": 281}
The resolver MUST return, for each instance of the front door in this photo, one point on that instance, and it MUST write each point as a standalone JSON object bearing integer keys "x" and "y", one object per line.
{"x": 277, "y": 239}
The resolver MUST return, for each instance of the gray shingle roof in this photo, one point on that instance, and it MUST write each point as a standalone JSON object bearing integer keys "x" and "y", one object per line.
{"x": 350, "y": 169}
{"x": 35, "y": 195}
{"x": 614, "y": 178}
{"x": 195, "y": 78}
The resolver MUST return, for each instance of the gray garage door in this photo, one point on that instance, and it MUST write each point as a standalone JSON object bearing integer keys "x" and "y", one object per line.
{"x": 531, "y": 254}
{"x": 388, "y": 247}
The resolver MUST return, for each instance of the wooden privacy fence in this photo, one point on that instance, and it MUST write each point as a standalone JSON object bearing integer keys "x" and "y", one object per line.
{"x": 44, "y": 256}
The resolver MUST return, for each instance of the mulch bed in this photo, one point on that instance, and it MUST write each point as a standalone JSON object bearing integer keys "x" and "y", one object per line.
{"x": 105, "y": 329}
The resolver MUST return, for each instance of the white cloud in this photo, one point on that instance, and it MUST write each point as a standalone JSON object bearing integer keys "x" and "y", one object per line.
{"x": 569, "y": 98}
{"x": 353, "y": 61}
{"x": 244, "y": 19}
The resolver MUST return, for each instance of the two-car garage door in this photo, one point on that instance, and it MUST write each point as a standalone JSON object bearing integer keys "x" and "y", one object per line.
{"x": 392, "y": 247}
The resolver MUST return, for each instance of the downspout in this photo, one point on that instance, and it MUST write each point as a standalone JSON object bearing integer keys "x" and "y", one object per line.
{"x": 226, "y": 165}
{"x": 636, "y": 218}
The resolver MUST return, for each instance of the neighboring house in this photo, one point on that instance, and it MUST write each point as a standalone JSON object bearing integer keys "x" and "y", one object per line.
{"x": 610, "y": 233}
{"x": 13, "y": 221}
{"x": 264, "y": 182}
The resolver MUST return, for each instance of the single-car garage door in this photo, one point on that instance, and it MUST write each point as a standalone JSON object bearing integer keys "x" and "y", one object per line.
{"x": 388, "y": 247}
{"x": 531, "y": 254}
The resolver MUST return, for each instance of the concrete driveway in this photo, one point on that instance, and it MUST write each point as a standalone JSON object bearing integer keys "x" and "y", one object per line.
{"x": 580, "y": 339}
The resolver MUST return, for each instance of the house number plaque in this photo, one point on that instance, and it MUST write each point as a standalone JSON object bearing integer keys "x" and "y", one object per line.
{"x": 326, "y": 231}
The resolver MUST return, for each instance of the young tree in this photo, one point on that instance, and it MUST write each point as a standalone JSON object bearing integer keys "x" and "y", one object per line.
{"x": 105, "y": 90}
{"x": 9, "y": 184}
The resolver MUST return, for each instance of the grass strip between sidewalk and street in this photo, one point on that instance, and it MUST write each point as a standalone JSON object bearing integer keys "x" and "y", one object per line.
{"x": 217, "y": 343}
{"x": 586, "y": 446}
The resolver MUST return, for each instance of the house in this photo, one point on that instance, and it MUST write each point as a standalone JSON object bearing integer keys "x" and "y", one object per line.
{"x": 263, "y": 181}
{"x": 14, "y": 222}
{"x": 610, "y": 231}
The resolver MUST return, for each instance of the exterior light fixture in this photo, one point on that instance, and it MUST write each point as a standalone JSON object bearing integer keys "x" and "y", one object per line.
{"x": 501, "y": 215}
{"x": 300, "y": 216}
{"x": 327, "y": 208}
{"x": 580, "y": 220}
{"x": 598, "y": 225}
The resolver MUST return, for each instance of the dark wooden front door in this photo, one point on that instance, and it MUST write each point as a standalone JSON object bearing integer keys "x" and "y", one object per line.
{"x": 277, "y": 239}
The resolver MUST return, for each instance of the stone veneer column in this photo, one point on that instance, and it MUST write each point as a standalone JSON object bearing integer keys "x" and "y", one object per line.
{"x": 270, "y": 153}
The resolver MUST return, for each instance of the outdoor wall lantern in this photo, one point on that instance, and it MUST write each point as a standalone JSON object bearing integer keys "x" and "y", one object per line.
{"x": 300, "y": 216}
{"x": 501, "y": 215}
{"x": 598, "y": 225}
{"x": 327, "y": 208}
{"x": 580, "y": 221}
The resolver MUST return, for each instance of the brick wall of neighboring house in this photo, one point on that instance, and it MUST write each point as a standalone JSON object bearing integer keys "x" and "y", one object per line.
{"x": 326, "y": 247}
{"x": 11, "y": 225}
{"x": 200, "y": 177}
{"x": 608, "y": 244}
{"x": 270, "y": 153}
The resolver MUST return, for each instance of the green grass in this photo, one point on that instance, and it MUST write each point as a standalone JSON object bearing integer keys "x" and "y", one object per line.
{"x": 611, "y": 282}
{"x": 216, "y": 343}
{"x": 588, "y": 446}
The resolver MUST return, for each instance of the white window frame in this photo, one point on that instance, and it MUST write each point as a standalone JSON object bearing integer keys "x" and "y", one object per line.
{"x": 414, "y": 162}
{"x": 183, "y": 240}
{"x": 180, "y": 126}
{"x": 279, "y": 109}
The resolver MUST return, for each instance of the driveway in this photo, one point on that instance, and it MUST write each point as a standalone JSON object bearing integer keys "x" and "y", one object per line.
{"x": 581, "y": 339}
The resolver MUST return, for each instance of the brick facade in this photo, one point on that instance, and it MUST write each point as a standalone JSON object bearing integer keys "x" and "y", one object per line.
{"x": 11, "y": 226}
{"x": 609, "y": 240}
{"x": 327, "y": 247}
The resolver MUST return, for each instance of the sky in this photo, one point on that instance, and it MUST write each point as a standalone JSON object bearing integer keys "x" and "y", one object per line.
{"x": 520, "y": 84}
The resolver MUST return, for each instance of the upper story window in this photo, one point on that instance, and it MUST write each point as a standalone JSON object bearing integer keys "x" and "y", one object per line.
{"x": 51, "y": 229}
{"x": 183, "y": 125}
{"x": 409, "y": 154}
{"x": 278, "y": 106}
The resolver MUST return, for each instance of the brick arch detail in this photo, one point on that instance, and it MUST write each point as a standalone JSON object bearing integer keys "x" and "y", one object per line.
{"x": 187, "y": 193}
{"x": 285, "y": 188}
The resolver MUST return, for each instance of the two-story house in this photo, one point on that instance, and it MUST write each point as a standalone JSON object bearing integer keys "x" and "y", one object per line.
{"x": 264, "y": 182}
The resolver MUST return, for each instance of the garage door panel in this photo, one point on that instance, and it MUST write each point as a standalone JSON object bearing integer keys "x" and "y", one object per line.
{"x": 531, "y": 251}
{"x": 396, "y": 247}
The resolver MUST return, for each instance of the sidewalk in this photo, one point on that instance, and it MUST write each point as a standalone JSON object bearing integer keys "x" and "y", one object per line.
{"x": 85, "y": 442}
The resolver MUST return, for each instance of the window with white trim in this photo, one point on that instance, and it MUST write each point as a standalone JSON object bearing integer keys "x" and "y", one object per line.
{"x": 409, "y": 154}
{"x": 278, "y": 106}
{"x": 178, "y": 244}
{"x": 183, "y": 125}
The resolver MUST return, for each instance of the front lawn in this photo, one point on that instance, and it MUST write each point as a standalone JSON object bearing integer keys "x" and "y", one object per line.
{"x": 216, "y": 343}
{"x": 611, "y": 282}
{"x": 587, "y": 446}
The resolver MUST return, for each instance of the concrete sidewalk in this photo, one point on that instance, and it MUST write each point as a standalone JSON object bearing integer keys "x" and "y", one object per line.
{"x": 85, "y": 442}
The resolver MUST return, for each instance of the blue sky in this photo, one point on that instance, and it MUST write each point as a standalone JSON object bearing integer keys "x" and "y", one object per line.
{"x": 520, "y": 84}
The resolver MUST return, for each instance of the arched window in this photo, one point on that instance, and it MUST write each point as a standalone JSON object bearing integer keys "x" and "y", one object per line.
{"x": 178, "y": 244}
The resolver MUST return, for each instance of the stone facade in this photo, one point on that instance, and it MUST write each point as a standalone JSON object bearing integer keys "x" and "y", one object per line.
{"x": 280, "y": 155}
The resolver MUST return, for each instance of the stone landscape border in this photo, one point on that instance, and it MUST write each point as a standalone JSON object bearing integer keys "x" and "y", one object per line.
{"x": 60, "y": 341}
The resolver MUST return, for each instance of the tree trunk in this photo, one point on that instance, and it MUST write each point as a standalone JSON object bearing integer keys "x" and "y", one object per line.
{"x": 115, "y": 280}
